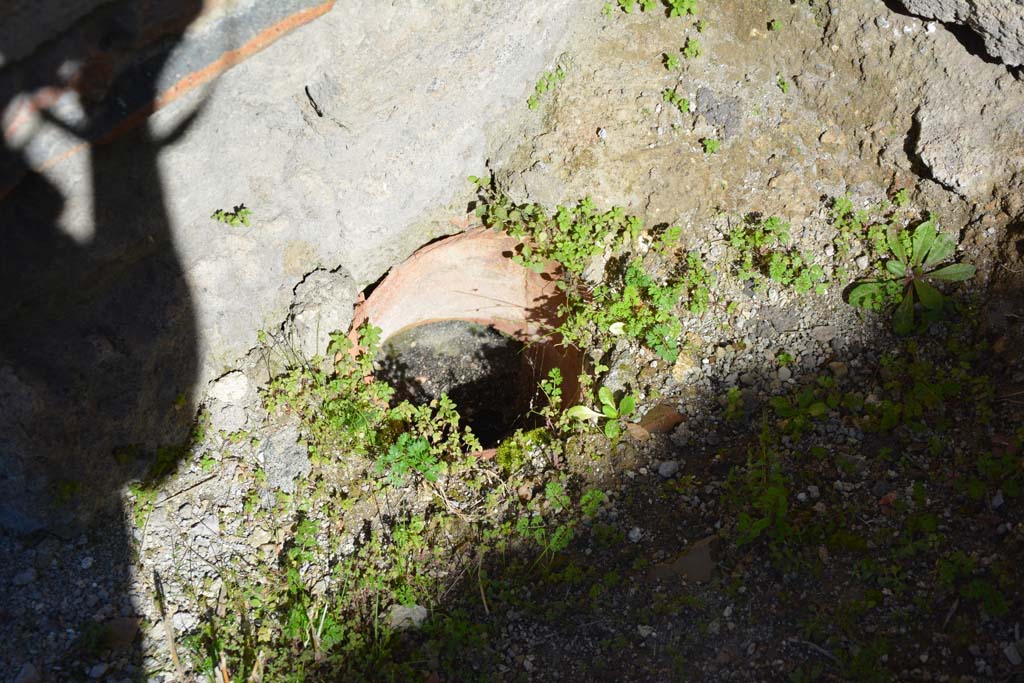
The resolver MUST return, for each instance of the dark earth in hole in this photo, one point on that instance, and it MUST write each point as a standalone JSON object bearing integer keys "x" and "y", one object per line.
{"x": 487, "y": 374}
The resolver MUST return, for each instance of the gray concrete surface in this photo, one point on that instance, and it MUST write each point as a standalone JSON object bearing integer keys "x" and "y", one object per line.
{"x": 152, "y": 299}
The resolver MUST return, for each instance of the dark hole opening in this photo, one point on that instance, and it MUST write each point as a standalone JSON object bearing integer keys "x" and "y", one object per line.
{"x": 489, "y": 375}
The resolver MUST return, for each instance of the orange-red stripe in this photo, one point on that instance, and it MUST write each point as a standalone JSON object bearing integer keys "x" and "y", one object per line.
{"x": 263, "y": 39}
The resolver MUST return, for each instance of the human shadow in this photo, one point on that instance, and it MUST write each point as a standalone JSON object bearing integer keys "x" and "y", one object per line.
{"x": 98, "y": 343}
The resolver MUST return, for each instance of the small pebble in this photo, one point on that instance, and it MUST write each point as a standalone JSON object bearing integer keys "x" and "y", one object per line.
{"x": 838, "y": 369}
{"x": 785, "y": 374}
{"x": 634, "y": 535}
{"x": 24, "y": 577}
{"x": 824, "y": 333}
{"x": 668, "y": 468}
{"x": 86, "y": 562}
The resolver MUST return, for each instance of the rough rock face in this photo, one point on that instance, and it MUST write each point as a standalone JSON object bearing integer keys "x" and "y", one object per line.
{"x": 122, "y": 296}
{"x": 323, "y": 304}
{"x": 1000, "y": 23}
{"x": 284, "y": 457}
{"x": 232, "y": 400}
{"x": 934, "y": 110}
{"x": 966, "y": 157}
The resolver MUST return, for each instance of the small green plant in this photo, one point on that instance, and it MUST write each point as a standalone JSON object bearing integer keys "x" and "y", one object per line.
{"x": 701, "y": 25}
{"x": 628, "y": 5}
{"x": 408, "y": 455}
{"x": 572, "y": 236}
{"x": 548, "y": 81}
{"x": 865, "y": 229}
{"x": 642, "y": 309}
{"x": 958, "y": 573}
{"x": 798, "y": 410}
{"x": 667, "y": 241}
{"x": 761, "y": 493}
{"x": 995, "y": 473}
{"x": 680, "y": 8}
{"x": 614, "y": 413}
{"x": 591, "y": 501}
{"x": 340, "y": 409}
{"x": 670, "y": 60}
{"x": 143, "y": 501}
{"x": 626, "y": 298}
{"x": 710, "y": 145}
{"x": 907, "y": 277}
{"x": 671, "y": 96}
{"x": 733, "y": 404}
{"x": 551, "y": 387}
{"x": 697, "y": 283}
{"x": 692, "y": 49}
{"x": 762, "y": 251}
{"x": 556, "y": 496}
{"x": 774, "y": 25}
{"x": 238, "y": 216}
{"x": 783, "y": 84}
{"x": 795, "y": 270}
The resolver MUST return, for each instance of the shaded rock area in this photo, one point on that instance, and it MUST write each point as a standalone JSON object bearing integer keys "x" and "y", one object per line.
{"x": 28, "y": 23}
{"x": 999, "y": 23}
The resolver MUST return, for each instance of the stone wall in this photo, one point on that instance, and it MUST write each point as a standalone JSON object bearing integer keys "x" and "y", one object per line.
{"x": 122, "y": 297}
{"x": 998, "y": 23}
